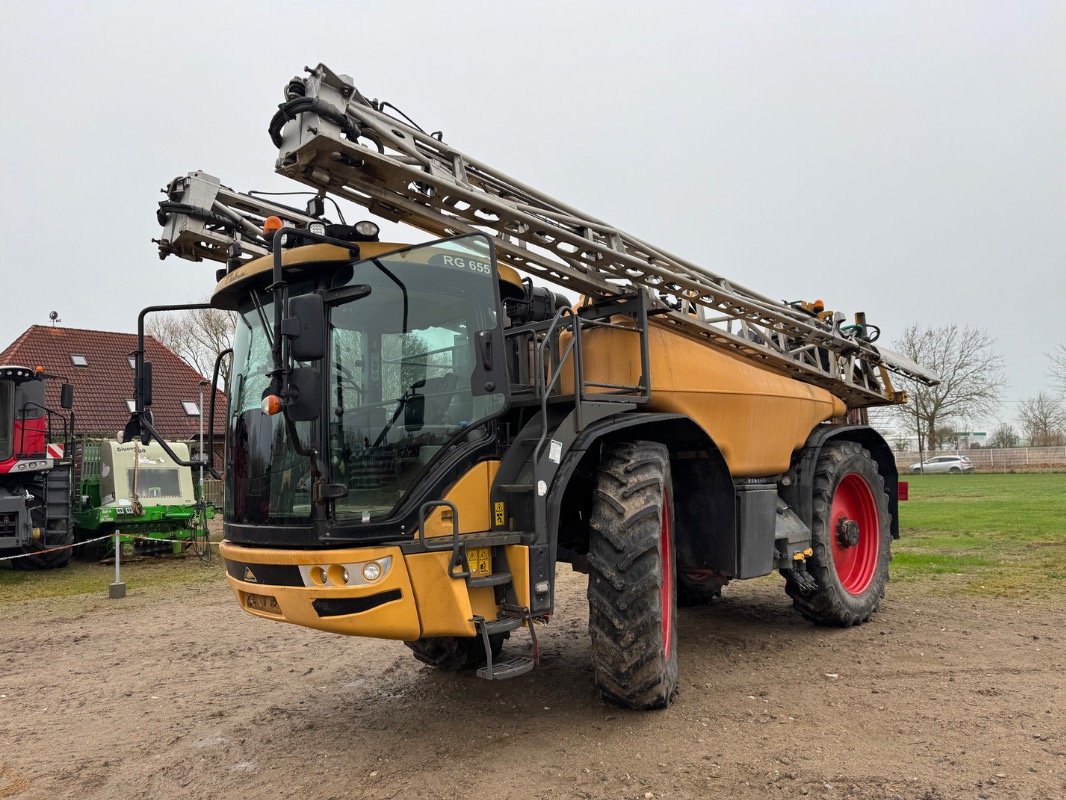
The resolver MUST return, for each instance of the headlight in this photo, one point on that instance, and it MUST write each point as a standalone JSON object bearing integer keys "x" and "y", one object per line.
{"x": 360, "y": 573}
{"x": 372, "y": 571}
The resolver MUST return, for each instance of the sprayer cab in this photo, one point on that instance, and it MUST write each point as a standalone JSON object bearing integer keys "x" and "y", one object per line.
{"x": 383, "y": 357}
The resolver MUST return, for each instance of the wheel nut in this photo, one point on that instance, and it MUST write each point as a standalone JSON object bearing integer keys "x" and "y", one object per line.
{"x": 848, "y": 532}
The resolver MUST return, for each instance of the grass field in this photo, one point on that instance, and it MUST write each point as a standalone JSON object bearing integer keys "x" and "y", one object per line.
{"x": 992, "y": 535}
{"x": 90, "y": 577}
{"x": 989, "y": 535}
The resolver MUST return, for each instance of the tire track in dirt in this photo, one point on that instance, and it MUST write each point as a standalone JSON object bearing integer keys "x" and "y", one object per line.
{"x": 178, "y": 694}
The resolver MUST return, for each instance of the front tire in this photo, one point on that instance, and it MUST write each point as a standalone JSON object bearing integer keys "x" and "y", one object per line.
{"x": 33, "y": 558}
{"x": 43, "y": 555}
{"x": 455, "y": 653}
{"x": 851, "y": 539}
{"x": 632, "y": 592}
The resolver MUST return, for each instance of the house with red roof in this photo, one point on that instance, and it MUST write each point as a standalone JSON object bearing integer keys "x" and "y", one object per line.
{"x": 99, "y": 364}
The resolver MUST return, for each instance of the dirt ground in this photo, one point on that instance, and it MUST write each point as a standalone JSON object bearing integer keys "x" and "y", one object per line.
{"x": 176, "y": 693}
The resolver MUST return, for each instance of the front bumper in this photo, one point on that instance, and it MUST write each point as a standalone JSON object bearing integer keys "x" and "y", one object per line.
{"x": 413, "y": 596}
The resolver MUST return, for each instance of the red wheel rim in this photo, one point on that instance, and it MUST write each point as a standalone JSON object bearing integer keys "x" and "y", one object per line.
{"x": 666, "y": 593}
{"x": 855, "y": 564}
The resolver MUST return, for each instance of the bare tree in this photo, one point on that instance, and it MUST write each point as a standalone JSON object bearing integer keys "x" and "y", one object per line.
{"x": 947, "y": 435}
{"x": 1057, "y": 357}
{"x": 1006, "y": 435}
{"x": 970, "y": 371}
{"x": 197, "y": 336}
{"x": 1043, "y": 420}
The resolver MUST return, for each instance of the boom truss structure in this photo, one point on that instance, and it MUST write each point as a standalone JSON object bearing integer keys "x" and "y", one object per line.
{"x": 204, "y": 220}
{"x": 334, "y": 139}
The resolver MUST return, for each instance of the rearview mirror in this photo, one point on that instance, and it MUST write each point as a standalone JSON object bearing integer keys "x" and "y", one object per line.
{"x": 414, "y": 412}
{"x": 146, "y": 383}
{"x": 306, "y": 327}
{"x": 66, "y": 396}
{"x": 304, "y": 403}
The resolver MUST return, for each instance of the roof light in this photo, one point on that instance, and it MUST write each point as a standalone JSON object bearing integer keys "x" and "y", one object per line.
{"x": 272, "y": 224}
{"x": 271, "y": 404}
{"x": 367, "y": 228}
{"x": 38, "y": 369}
{"x": 317, "y": 228}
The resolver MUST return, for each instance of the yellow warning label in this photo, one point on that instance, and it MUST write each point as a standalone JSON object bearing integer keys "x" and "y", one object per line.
{"x": 499, "y": 513}
{"x": 480, "y": 561}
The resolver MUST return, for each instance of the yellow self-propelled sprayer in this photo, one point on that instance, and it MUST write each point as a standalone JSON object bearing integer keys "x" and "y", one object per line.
{"x": 418, "y": 435}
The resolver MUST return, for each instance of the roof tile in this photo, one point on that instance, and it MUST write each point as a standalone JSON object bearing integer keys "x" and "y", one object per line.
{"x": 102, "y": 388}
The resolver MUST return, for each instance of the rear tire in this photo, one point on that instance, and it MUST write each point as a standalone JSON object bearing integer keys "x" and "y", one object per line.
{"x": 455, "y": 653}
{"x": 632, "y": 593}
{"x": 693, "y": 593}
{"x": 851, "y": 539}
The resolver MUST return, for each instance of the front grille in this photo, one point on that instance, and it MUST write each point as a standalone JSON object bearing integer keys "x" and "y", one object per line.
{"x": 9, "y": 524}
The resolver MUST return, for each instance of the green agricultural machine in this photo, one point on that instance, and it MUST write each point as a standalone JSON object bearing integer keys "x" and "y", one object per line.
{"x": 140, "y": 492}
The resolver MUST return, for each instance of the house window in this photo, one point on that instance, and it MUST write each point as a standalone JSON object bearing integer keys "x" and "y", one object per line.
{"x": 191, "y": 409}
{"x": 78, "y": 360}
{"x": 131, "y": 405}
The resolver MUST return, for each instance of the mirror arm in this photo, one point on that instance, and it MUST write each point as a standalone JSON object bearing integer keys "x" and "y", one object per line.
{"x": 279, "y": 375}
{"x": 138, "y": 354}
{"x": 181, "y": 462}
{"x": 211, "y": 417}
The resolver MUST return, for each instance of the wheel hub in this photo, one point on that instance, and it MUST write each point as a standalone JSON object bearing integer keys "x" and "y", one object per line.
{"x": 847, "y": 532}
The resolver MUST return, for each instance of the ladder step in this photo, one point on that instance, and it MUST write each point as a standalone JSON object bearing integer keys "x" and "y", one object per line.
{"x": 515, "y": 488}
{"x": 494, "y": 579}
{"x": 501, "y": 625}
{"x": 508, "y": 668}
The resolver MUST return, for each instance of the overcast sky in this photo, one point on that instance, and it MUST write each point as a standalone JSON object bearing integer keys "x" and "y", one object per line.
{"x": 905, "y": 159}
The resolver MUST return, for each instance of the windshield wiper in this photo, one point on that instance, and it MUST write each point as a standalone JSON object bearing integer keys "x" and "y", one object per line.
{"x": 409, "y": 395}
{"x": 262, "y": 317}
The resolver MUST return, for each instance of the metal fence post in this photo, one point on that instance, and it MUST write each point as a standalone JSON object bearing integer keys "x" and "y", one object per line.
{"x": 117, "y": 590}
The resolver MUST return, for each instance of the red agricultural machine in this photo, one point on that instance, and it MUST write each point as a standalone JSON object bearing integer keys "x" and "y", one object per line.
{"x": 35, "y": 470}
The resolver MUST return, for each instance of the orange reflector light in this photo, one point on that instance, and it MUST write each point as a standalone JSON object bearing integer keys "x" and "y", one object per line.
{"x": 271, "y": 224}
{"x": 271, "y": 404}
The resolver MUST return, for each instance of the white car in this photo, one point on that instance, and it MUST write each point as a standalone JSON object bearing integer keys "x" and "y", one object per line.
{"x": 942, "y": 464}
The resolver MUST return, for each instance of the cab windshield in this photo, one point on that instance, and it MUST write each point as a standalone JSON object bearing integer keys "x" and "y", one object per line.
{"x": 402, "y": 379}
{"x": 267, "y": 481}
{"x": 403, "y": 368}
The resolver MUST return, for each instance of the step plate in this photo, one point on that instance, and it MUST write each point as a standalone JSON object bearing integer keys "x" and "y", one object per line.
{"x": 501, "y": 625}
{"x": 507, "y": 668}
{"x": 492, "y": 579}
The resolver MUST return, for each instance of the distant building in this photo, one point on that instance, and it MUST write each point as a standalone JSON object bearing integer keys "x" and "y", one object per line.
{"x": 968, "y": 439}
{"x": 99, "y": 364}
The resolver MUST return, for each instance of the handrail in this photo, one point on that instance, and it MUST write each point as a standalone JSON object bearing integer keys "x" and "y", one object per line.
{"x": 548, "y": 385}
{"x": 458, "y": 558}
